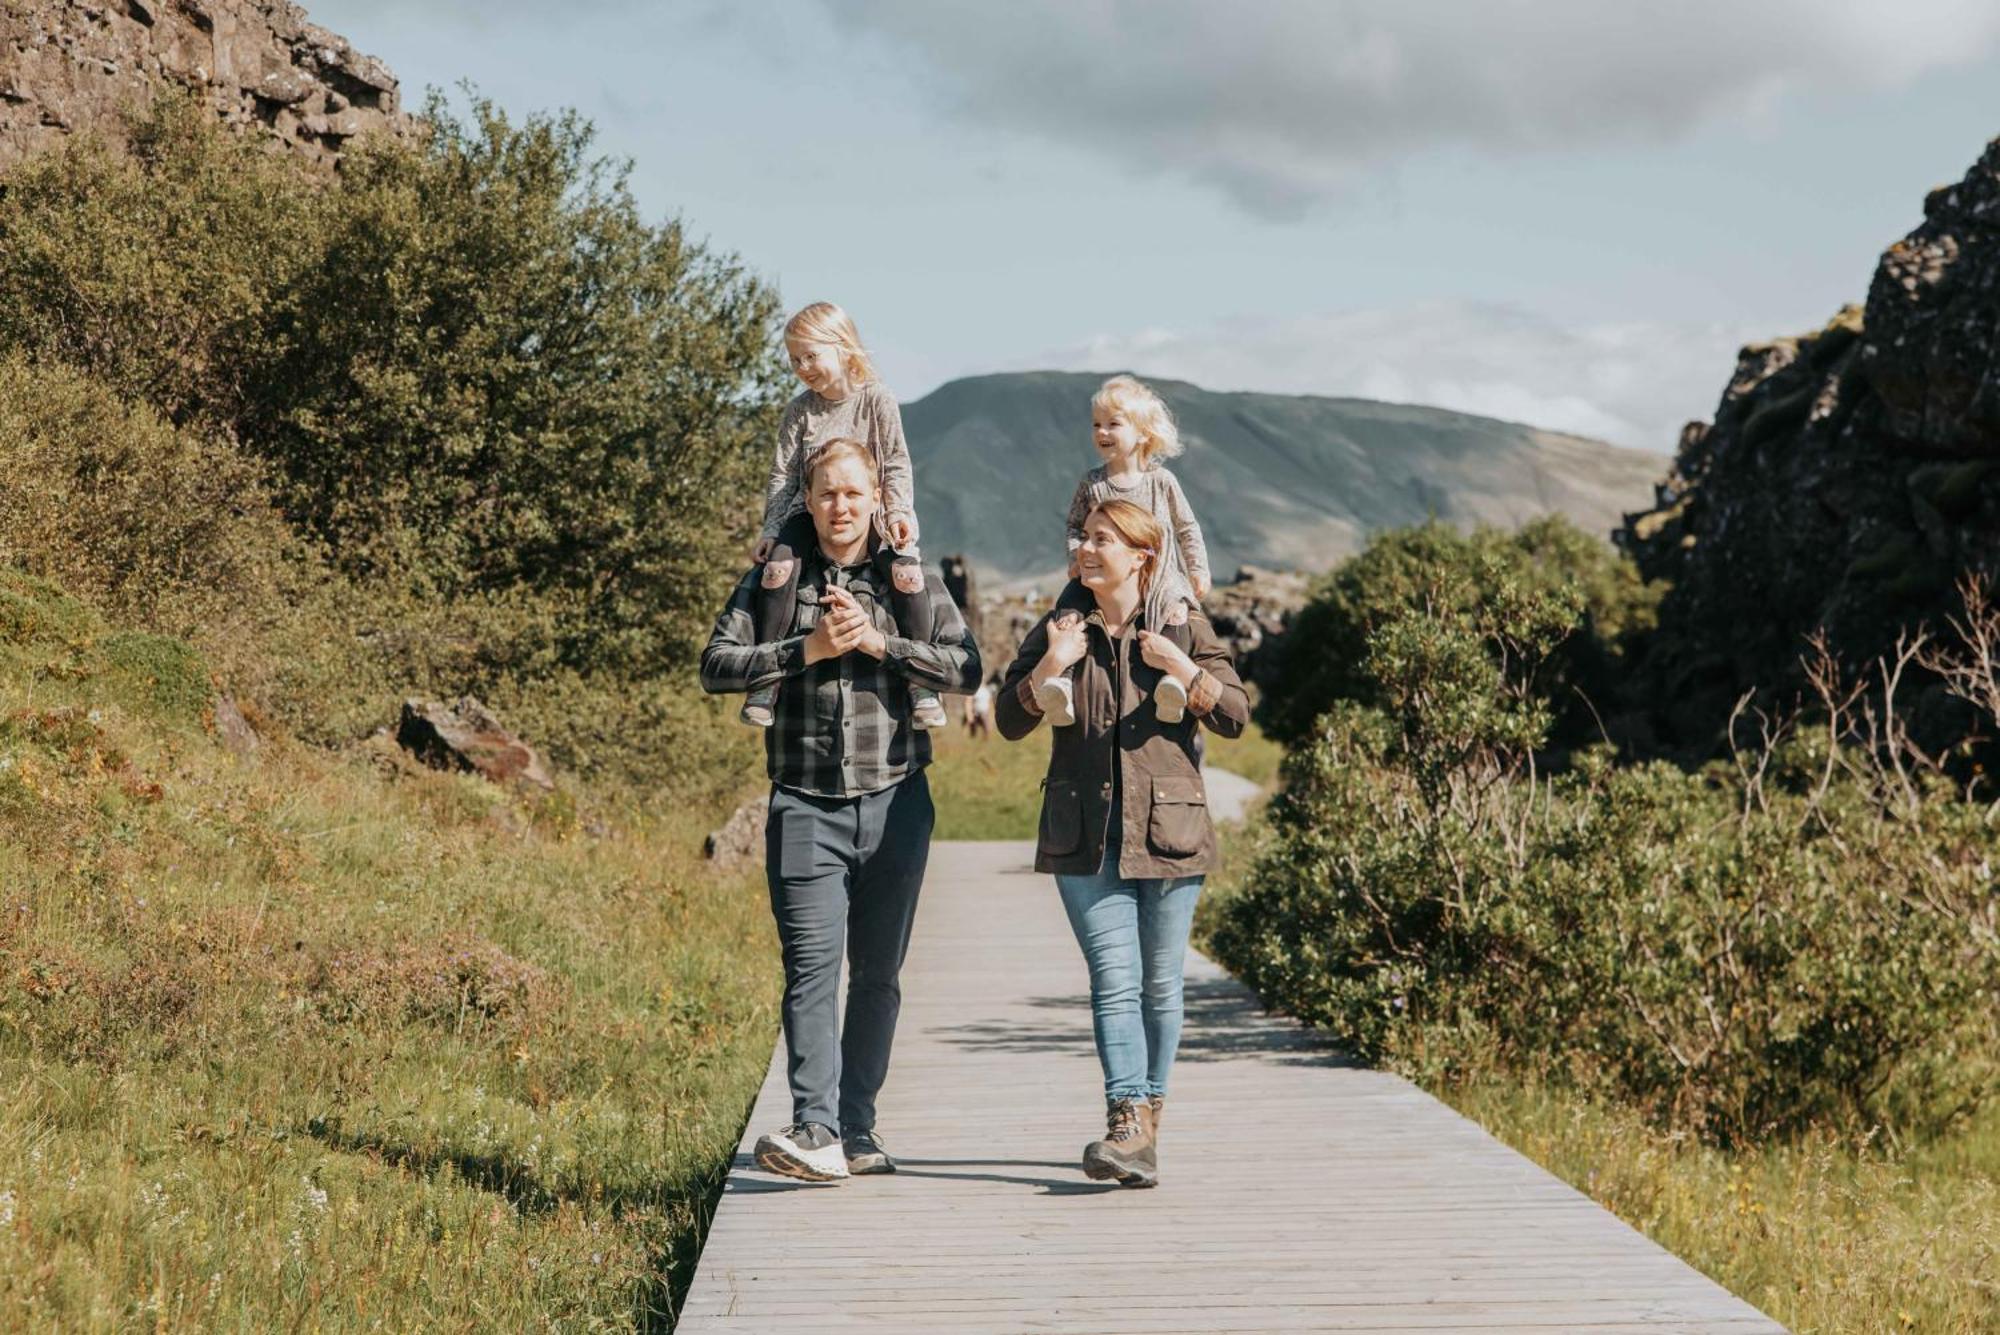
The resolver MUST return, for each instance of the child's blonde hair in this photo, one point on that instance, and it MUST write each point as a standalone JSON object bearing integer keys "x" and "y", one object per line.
{"x": 1159, "y": 438}
{"x": 824, "y": 322}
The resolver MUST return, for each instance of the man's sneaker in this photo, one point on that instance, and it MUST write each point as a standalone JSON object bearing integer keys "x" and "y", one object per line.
{"x": 804, "y": 1150}
{"x": 866, "y": 1154}
{"x": 1128, "y": 1151}
{"x": 1169, "y": 700}
{"x": 757, "y": 706}
{"x": 928, "y": 711}
{"x": 1057, "y": 697}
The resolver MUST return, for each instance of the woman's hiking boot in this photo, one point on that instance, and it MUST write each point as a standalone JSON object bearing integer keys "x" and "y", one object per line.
{"x": 1127, "y": 1153}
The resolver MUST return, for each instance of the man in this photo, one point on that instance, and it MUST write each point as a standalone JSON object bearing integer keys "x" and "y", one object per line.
{"x": 850, "y": 816}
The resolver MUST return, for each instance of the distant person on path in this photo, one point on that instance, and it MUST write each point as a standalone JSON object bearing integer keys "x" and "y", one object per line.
{"x": 841, "y": 399}
{"x": 1125, "y": 824}
{"x": 850, "y": 815}
{"x": 1133, "y": 432}
{"x": 979, "y": 710}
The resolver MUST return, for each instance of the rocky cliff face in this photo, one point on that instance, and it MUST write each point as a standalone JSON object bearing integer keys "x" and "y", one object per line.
{"x": 1850, "y": 476}
{"x": 67, "y": 67}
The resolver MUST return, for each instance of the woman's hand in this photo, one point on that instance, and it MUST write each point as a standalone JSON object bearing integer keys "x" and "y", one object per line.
{"x": 1160, "y": 652}
{"x": 761, "y": 552}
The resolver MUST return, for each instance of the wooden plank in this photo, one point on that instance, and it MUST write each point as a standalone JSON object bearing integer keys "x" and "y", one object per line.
{"x": 1298, "y": 1192}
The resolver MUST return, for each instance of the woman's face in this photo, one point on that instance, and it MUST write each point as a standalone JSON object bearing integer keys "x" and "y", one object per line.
{"x": 1104, "y": 562}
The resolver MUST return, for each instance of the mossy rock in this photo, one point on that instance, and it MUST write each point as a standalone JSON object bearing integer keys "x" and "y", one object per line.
{"x": 1779, "y": 414}
{"x": 1892, "y": 554}
{"x": 157, "y": 675}
{"x": 1951, "y": 489}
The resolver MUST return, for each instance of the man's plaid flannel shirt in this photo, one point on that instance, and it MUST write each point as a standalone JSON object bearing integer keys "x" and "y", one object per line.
{"x": 841, "y": 727}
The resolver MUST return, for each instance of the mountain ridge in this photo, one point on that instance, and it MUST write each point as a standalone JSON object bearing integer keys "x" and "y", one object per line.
{"x": 1287, "y": 480}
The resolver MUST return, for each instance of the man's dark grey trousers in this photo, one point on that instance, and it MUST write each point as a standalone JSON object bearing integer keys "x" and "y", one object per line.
{"x": 844, "y": 870}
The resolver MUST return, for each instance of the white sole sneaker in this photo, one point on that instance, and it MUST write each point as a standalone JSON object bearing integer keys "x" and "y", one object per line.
{"x": 779, "y": 1153}
{"x": 1057, "y": 697}
{"x": 1170, "y": 700}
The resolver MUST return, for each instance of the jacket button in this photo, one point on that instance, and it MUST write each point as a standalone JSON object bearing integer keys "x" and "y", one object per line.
{"x": 1105, "y": 789}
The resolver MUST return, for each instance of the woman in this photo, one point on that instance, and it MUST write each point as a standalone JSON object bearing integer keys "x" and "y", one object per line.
{"x": 1125, "y": 825}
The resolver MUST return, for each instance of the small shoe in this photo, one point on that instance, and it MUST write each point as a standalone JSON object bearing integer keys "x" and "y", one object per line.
{"x": 867, "y": 1155}
{"x": 928, "y": 711}
{"x": 806, "y": 1150}
{"x": 1057, "y": 697}
{"x": 757, "y": 706}
{"x": 1170, "y": 700}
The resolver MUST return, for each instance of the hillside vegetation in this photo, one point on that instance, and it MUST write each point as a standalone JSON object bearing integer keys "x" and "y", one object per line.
{"x": 310, "y": 1037}
{"x": 1763, "y": 987}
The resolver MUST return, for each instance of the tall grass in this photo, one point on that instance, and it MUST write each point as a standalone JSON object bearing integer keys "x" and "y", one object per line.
{"x": 1828, "y": 1237}
{"x": 302, "y": 1040}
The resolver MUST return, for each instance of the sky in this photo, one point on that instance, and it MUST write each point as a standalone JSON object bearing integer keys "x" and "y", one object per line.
{"x": 1565, "y": 212}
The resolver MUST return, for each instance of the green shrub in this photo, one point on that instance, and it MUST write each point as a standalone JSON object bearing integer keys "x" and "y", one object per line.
{"x": 1800, "y": 939}
{"x": 499, "y": 380}
{"x": 1435, "y": 569}
{"x": 457, "y": 420}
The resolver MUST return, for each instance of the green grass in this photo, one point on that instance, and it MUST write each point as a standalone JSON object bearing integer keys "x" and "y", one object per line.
{"x": 1824, "y": 1236}
{"x": 314, "y": 1041}
{"x": 988, "y": 788}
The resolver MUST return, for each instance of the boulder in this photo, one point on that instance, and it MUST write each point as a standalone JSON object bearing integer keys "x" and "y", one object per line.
{"x": 740, "y": 841}
{"x": 465, "y": 736}
{"x": 258, "y": 65}
{"x": 232, "y": 729}
{"x": 1847, "y": 481}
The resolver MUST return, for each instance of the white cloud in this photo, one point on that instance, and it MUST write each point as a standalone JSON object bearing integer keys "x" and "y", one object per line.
{"x": 1283, "y": 103}
{"x": 1632, "y": 384}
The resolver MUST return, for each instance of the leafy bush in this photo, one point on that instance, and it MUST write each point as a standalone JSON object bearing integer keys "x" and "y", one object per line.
{"x": 1807, "y": 936}
{"x": 1435, "y": 568}
{"x": 498, "y": 379}
{"x": 455, "y": 421}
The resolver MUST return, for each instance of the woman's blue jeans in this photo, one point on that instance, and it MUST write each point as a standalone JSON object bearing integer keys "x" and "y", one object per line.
{"x": 1134, "y": 934}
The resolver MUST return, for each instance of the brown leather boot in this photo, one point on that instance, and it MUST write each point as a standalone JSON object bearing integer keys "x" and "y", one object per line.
{"x": 1159, "y": 1105}
{"x": 1127, "y": 1151}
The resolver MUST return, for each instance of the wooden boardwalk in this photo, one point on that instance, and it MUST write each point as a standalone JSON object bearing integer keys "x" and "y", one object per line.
{"x": 1297, "y": 1192}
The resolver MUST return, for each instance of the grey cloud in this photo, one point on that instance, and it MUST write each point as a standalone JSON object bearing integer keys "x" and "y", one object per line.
{"x": 1283, "y": 103}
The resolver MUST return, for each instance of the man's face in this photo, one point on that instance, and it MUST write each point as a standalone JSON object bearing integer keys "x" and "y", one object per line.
{"x": 842, "y": 502}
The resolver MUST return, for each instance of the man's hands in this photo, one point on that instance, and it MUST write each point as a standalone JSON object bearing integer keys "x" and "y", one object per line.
{"x": 843, "y": 627}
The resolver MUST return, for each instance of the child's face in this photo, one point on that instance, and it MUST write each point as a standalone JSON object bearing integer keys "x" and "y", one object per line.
{"x": 820, "y": 365}
{"x": 1115, "y": 437}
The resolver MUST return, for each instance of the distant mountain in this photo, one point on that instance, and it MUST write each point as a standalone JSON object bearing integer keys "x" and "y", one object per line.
{"x": 1276, "y": 479}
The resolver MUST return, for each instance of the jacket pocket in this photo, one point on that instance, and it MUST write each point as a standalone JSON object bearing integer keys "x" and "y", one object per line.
{"x": 1177, "y": 827}
{"x": 1062, "y": 817}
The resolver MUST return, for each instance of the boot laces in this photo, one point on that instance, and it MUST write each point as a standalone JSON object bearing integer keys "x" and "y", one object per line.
{"x": 1122, "y": 1121}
